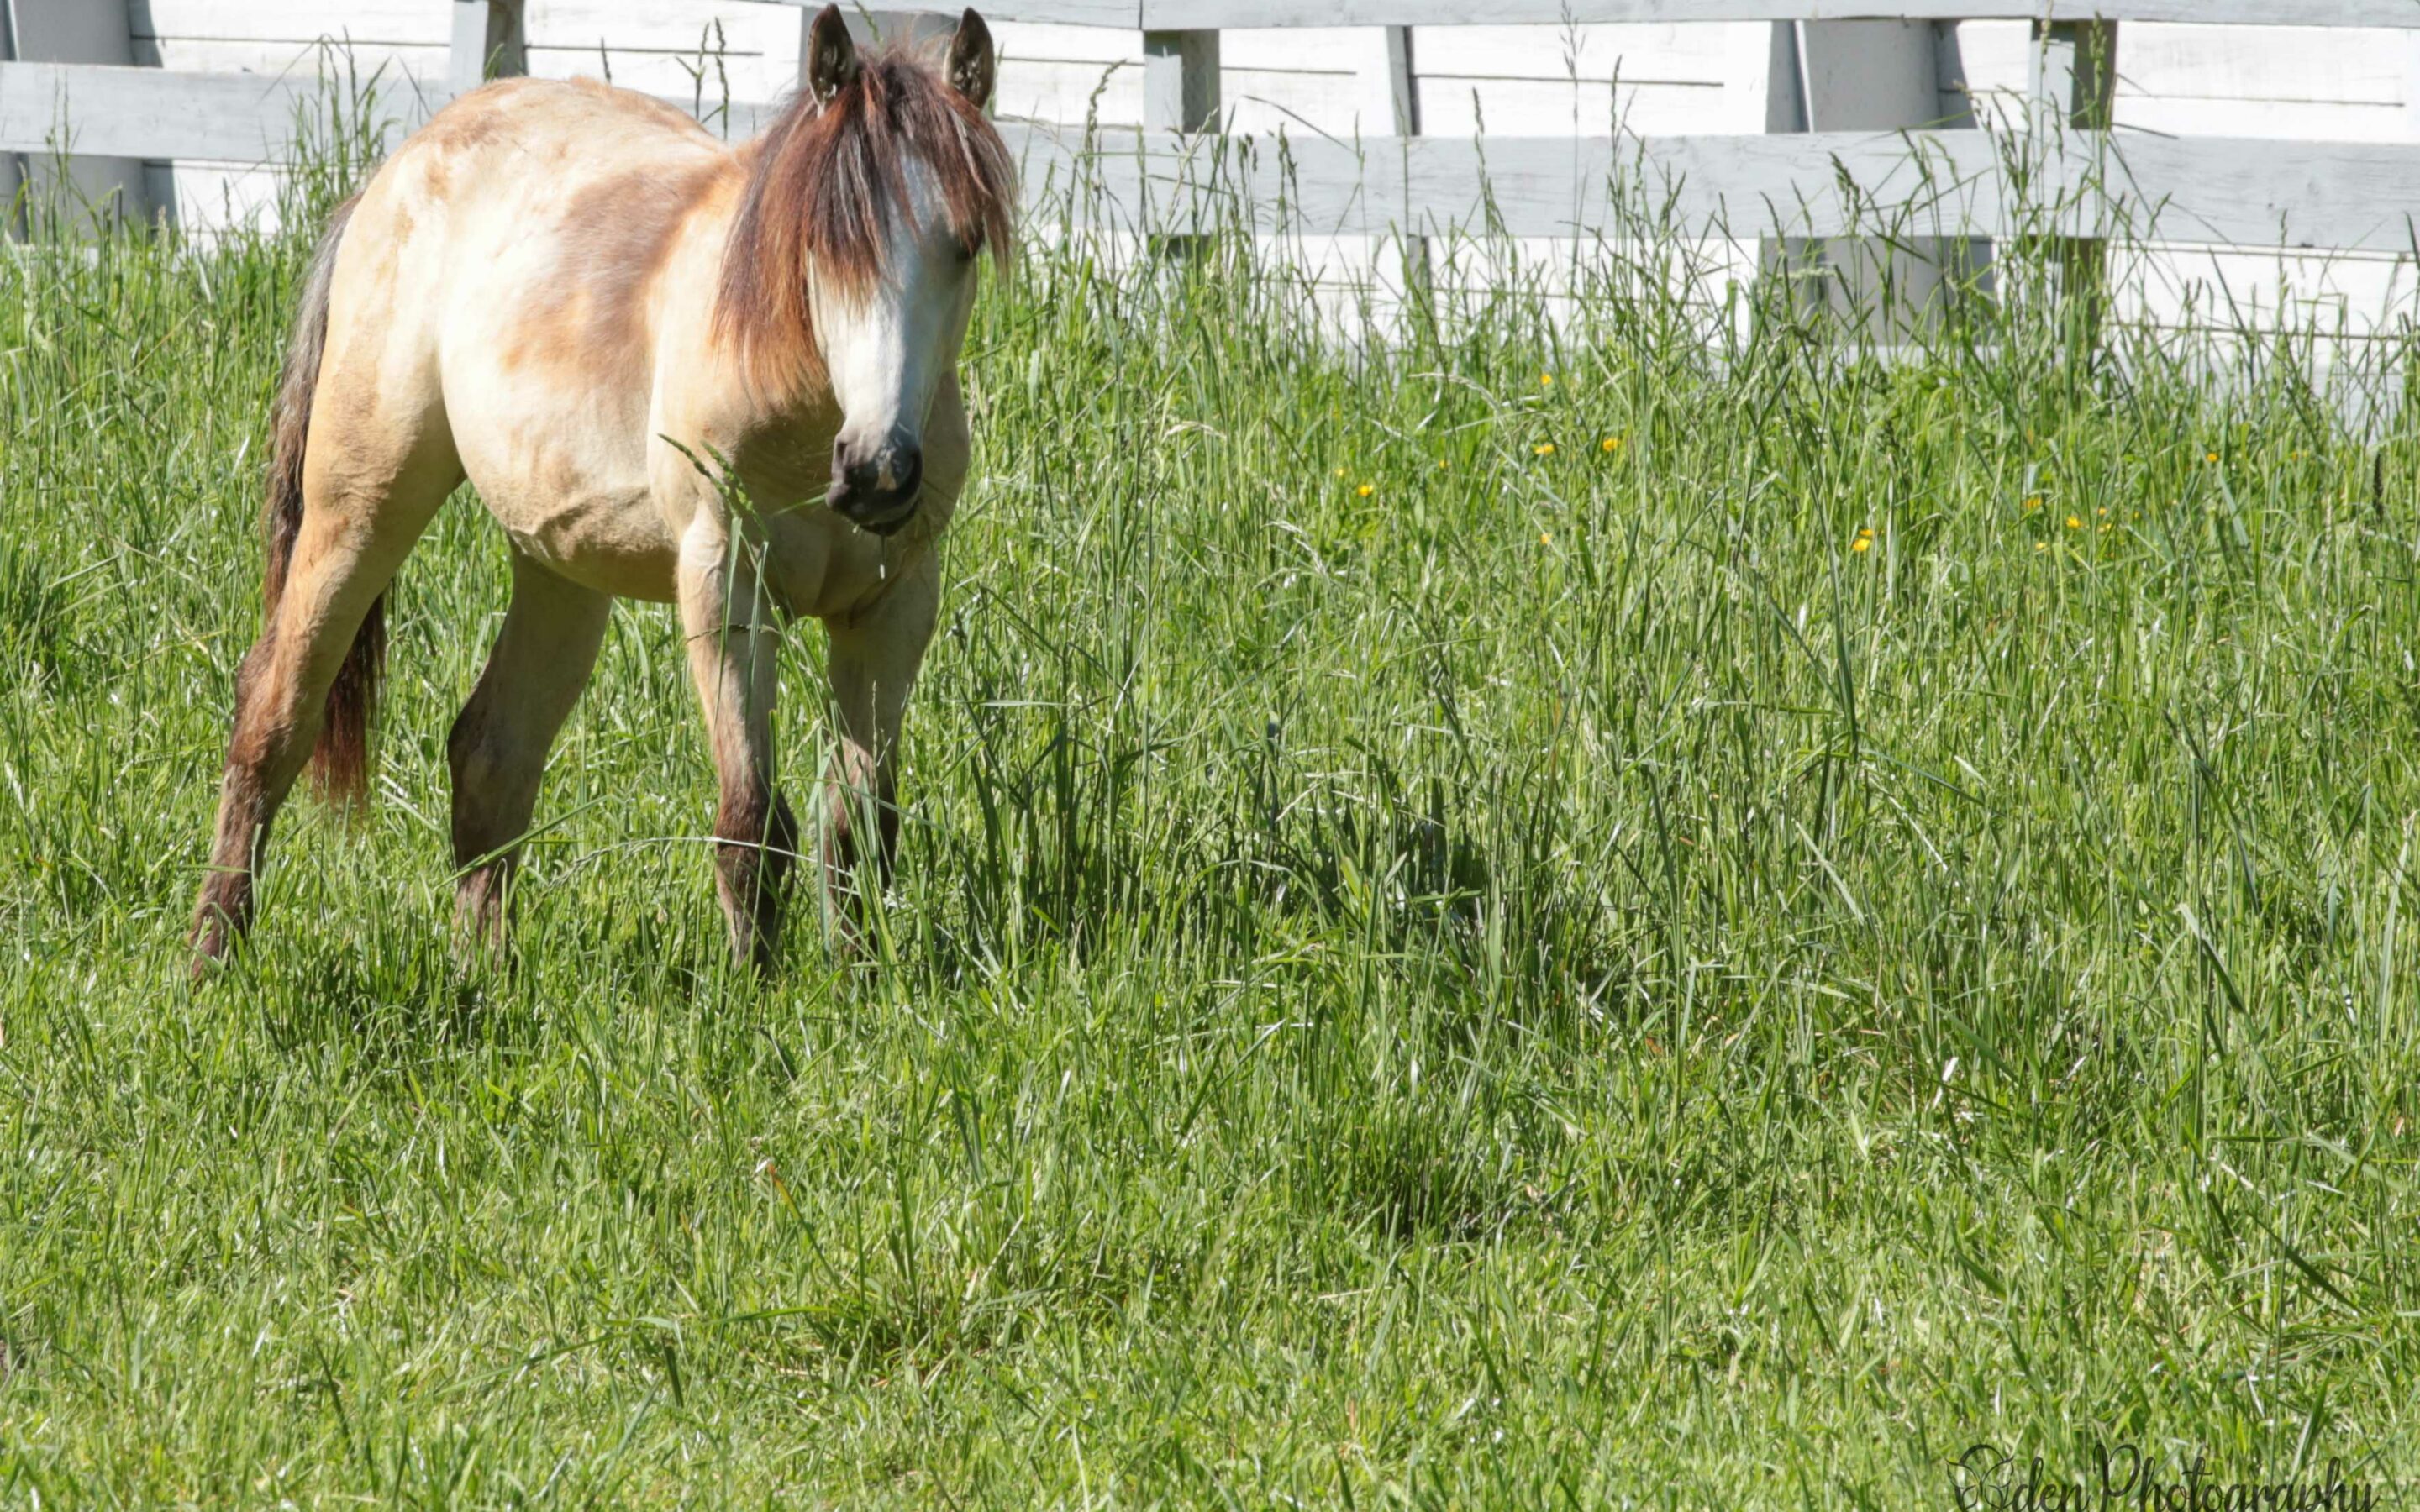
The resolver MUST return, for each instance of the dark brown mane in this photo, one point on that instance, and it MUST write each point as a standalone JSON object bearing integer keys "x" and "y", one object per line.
{"x": 824, "y": 186}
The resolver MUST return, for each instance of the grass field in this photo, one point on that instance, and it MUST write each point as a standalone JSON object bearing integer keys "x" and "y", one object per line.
{"x": 1549, "y": 915}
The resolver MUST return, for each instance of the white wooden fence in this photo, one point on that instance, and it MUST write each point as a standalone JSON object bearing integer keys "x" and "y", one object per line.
{"x": 1855, "y": 130}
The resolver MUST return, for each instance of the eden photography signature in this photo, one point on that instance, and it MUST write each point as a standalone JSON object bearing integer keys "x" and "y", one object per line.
{"x": 1987, "y": 1479}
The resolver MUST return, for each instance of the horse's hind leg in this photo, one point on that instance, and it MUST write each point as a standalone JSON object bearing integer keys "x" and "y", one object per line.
{"x": 359, "y": 523}
{"x": 497, "y": 749}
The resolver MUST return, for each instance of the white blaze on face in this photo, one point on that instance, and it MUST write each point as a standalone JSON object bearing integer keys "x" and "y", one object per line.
{"x": 888, "y": 347}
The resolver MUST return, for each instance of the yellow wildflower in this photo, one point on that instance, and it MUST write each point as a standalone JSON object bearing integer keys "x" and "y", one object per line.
{"x": 2034, "y": 503}
{"x": 2074, "y": 523}
{"x": 1545, "y": 381}
{"x": 1612, "y": 443}
{"x": 1544, "y": 448}
{"x": 2209, "y": 456}
{"x": 1367, "y": 489}
{"x": 1341, "y": 472}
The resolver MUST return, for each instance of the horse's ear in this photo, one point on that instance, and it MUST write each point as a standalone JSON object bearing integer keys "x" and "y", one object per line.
{"x": 831, "y": 57}
{"x": 973, "y": 65}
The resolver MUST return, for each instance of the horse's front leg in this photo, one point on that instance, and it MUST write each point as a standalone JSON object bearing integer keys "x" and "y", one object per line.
{"x": 874, "y": 655}
{"x": 733, "y": 639}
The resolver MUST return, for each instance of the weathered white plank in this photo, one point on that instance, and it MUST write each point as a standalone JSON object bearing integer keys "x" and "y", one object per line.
{"x": 144, "y": 112}
{"x": 1055, "y": 93}
{"x": 675, "y": 76}
{"x": 1293, "y": 100}
{"x": 292, "y": 20}
{"x": 2183, "y": 285}
{"x": 301, "y": 59}
{"x": 1304, "y": 49}
{"x": 1695, "y": 53}
{"x": 664, "y": 25}
{"x": 2315, "y": 120}
{"x": 1453, "y": 105}
{"x": 2243, "y": 193}
{"x": 1023, "y": 42}
{"x": 1124, "y": 13}
{"x": 1997, "y": 58}
{"x": 2274, "y": 63}
{"x": 207, "y": 197}
{"x": 1159, "y": 14}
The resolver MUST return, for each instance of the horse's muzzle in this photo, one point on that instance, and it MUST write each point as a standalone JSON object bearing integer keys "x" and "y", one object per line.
{"x": 877, "y": 488}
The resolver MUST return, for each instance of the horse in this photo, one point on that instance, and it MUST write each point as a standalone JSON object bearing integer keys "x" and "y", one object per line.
{"x": 676, "y": 371}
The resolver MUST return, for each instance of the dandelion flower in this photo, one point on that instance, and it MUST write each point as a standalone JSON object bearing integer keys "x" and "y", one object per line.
{"x": 2074, "y": 523}
{"x": 1862, "y": 543}
{"x": 1543, "y": 539}
{"x": 1545, "y": 381}
{"x": 1367, "y": 489}
{"x": 1544, "y": 448}
{"x": 1612, "y": 443}
{"x": 2209, "y": 456}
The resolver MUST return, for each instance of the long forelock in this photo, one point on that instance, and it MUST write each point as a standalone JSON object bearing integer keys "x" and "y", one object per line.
{"x": 828, "y": 183}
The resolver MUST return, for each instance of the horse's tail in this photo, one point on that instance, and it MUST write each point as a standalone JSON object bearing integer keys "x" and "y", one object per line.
{"x": 340, "y": 761}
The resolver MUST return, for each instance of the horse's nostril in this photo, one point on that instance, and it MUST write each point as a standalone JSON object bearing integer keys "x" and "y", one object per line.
{"x": 872, "y": 484}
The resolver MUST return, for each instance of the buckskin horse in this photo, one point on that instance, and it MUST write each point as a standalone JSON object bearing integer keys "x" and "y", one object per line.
{"x": 674, "y": 370}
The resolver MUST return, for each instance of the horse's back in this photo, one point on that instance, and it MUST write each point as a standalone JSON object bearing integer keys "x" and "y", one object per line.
{"x": 511, "y": 266}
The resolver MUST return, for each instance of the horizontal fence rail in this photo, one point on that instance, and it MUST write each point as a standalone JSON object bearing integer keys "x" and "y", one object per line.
{"x": 2342, "y": 196}
{"x": 1189, "y": 15}
{"x": 1802, "y": 178}
{"x": 2354, "y": 196}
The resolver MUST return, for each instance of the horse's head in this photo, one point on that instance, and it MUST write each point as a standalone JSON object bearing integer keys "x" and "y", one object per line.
{"x": 875, "y": 197}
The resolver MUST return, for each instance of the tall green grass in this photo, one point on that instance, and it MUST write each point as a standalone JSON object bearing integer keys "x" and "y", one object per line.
{"x": 1600, "y": 900}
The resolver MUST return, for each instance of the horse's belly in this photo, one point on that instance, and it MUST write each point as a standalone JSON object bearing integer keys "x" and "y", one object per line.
{"x": 611, "y": 541}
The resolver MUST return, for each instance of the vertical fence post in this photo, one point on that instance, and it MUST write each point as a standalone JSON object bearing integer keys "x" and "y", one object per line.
{"x": 1391, "y": 108}
{"x": 2073, "y": 84}
{"x": 488, "y": 43}
{"x": 1876, "y": 75}
{"x": 73, "y": 31}
{"x": 1179, "y": 93}
{"x": 1180, "y": 81}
